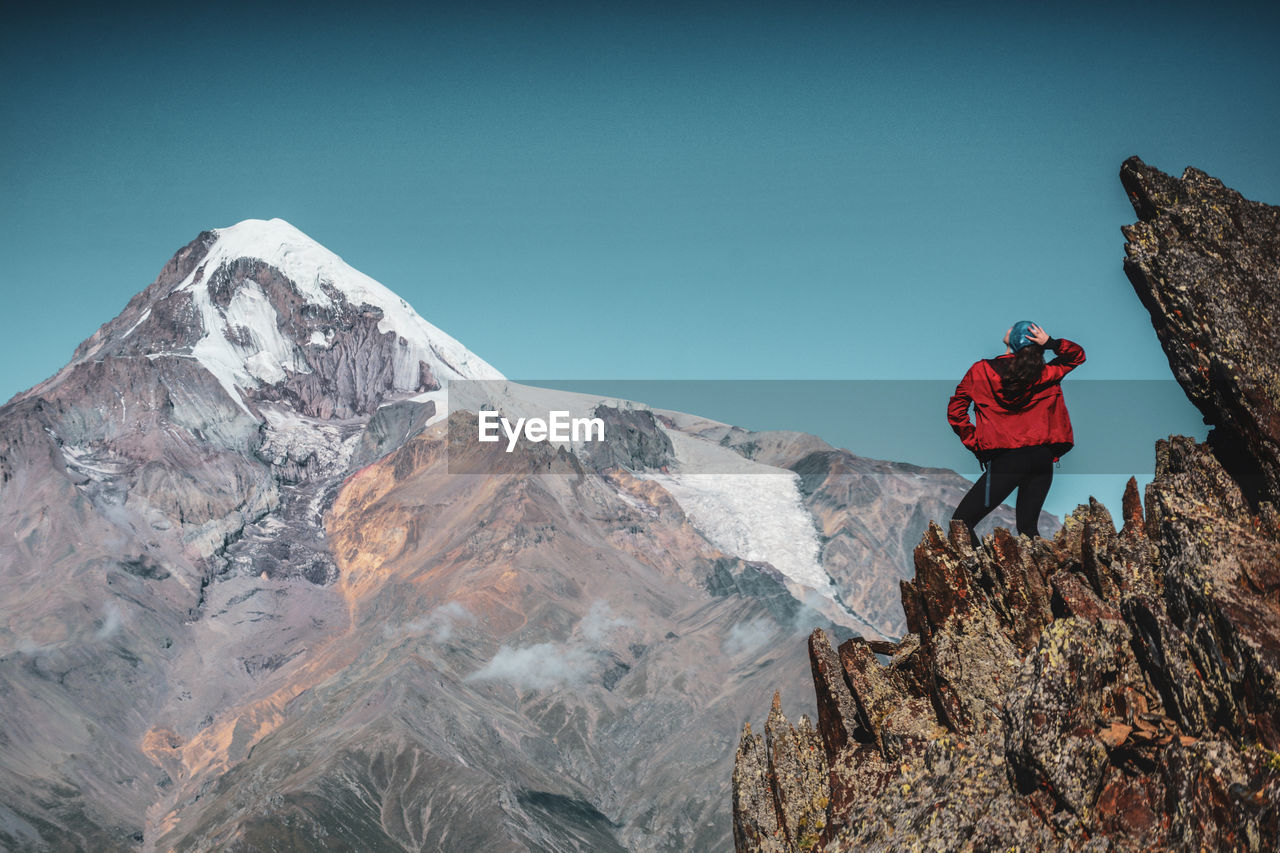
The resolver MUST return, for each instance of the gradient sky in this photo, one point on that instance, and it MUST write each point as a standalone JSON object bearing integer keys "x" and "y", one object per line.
{"x": 641, "y": 191}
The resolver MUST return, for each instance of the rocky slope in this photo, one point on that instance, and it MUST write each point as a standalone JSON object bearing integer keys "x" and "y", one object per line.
{"x": 250, "y": 599}
{"x": 1107, "y": 690}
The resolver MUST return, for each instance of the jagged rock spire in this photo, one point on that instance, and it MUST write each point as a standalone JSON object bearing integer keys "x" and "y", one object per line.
{"x": 1205, "y": 261}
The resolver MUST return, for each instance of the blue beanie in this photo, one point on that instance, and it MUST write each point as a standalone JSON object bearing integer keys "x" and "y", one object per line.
{"x": 1020, "y": 334}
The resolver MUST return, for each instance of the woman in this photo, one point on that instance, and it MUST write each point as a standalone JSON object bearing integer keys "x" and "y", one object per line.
{"x": 1022, "y": 423}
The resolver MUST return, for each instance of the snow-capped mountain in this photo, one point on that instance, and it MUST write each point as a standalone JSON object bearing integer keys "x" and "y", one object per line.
{"x": 248, "y": 604}
{"x": 275, "y": 316}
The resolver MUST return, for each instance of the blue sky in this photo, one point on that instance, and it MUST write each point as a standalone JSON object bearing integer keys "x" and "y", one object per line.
{"x": 742, "y": 191}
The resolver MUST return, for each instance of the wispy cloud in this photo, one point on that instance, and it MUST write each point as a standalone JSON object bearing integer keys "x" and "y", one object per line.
{"x": 749, "y": 637}
{"x": 31, "y": 648}
{"x": 111, "y": 622}
{"x": 808, "y": 615}
{"x": 539, "y": 666}
{"x": 104, "y": 628}
{"x": 545, "y": 665}
{"x": 753, "y": 635}
{"x": 439, "y": 625}
{"x": 600, "y": 624}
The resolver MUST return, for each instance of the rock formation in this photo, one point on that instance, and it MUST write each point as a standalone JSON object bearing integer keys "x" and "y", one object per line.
{"x": 1205, "y": 261}
{"x": 1106, "y": 690}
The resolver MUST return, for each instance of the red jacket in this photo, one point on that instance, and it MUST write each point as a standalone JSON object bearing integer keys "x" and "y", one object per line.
{"x": 1039, "y": 417}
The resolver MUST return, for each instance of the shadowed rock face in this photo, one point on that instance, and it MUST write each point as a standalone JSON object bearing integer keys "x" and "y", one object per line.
{"x": 1106, "y": 689}
{"x": 1204, "y": 262}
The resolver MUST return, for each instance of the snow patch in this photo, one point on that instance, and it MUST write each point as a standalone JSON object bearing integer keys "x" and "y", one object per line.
{"x": 745, "y": 508}
{"x": 218, "y": 355}
{"x": 250, "y": 314}
{"x": 440, "y": 397}
{"x": 97, "y": 465}
{"x": 141, "y": 320}
{"x": 243, "y": 345}
{"x": 313, "y": 268}
{"x": 264, "y": 366}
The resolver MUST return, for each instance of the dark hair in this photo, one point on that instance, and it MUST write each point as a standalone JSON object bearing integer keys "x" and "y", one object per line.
{"x": 1028, "y": 363}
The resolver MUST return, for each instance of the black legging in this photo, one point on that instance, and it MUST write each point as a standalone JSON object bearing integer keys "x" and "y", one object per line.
{"x": 1027, "y": 469}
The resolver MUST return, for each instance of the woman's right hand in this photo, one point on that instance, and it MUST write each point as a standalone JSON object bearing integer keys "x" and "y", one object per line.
{"x": 1037, "y": 335}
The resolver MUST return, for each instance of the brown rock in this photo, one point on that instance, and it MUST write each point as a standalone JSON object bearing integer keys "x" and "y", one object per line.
{"x": 1074, "y": 598}
{"x": 798, "y": 769}
{"x": 1115, "y": 734}
{"x": 756, "y": 823}
{"x": 839, "y": 720}
{"x": 1203, "y": 260}
{"x": 899, "y": 722}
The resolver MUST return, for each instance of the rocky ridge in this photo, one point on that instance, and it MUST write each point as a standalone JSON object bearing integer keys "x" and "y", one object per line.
{"x": 1106, "y": 690}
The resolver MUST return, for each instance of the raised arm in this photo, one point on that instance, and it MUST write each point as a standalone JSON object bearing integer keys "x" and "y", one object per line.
{"x": 1070, "y": 355}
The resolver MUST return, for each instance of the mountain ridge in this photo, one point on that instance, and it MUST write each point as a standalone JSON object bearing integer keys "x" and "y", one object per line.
{"x": 183, "y": 618}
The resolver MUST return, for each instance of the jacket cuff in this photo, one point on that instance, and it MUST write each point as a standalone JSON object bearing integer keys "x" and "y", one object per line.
{"x": 1052, "y": 344}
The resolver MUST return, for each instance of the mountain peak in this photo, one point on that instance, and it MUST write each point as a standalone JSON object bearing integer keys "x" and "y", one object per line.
{"x": 308, "y": 264}
{"x": 275, "y": 316}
